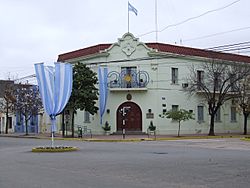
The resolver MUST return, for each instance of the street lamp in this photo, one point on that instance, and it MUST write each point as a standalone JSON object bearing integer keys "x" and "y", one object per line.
{"x": 124, "y": 112}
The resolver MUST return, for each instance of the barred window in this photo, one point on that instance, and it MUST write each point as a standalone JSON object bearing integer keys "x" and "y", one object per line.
{"x": 233, "y": 114}
{"x": 200, "y": 112}
{"x": 175, "y": 107}
{"x": 86, "y": 117}
{"x": 217, "y": 115}
{"x": 174, "y": 75}
{"x": 200, "y": 79}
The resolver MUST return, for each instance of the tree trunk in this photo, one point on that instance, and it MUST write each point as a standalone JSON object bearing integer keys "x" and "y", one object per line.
{"x": 26, "y": 127}
{"x": 63, "y": 124}
{"x": 72, "y": 124}
{"x": 7, "y": 117}
{"x": 245, "y": 123}
{"x": 179, "y": 128}
{"x": 211, "y": 130}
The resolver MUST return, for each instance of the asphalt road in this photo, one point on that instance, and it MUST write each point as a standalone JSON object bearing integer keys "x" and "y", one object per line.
{"x": 220, "y": 163}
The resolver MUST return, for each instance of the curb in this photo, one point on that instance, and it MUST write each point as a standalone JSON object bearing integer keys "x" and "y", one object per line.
{"x": 130, "y": 140}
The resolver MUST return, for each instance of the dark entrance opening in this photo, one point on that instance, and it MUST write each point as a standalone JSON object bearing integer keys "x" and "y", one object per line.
{"x": 133, "y": 118}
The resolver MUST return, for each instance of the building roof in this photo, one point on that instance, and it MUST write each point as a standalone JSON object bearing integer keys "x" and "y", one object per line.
{"x": 160, "y": 47}
{"x": 5, "y": 84}
{"x": 181, "y": 50}
{"x": 11, "y": 85}
{"x": 83, "y": 52}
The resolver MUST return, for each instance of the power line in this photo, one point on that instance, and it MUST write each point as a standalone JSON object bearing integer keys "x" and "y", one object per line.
{"x": 239, "y": 47}
{"x": 228, "y": 45}
{"x": 191, "y": 18}
{"x": 235, "y": 49}
{"x": 25, "y": 77}
{"x": 216, "y": 34}
{"x": 195, "y": 17}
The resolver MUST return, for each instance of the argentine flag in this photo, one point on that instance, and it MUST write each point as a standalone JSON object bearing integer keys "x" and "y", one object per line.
{"x": 132, "y": 9}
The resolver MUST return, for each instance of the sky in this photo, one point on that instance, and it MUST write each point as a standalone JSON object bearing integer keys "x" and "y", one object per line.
{"x": 35, "y": 31}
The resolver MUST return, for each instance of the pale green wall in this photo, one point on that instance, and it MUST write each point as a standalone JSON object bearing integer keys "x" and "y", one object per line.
{"x": 159, "y": 86}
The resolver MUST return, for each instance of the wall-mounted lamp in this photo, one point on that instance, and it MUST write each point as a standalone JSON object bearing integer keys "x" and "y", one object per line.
{"x": 108, "y": 111}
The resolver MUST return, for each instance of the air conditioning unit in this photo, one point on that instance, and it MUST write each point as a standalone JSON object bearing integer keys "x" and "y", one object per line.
{"x": 184, "y": 85}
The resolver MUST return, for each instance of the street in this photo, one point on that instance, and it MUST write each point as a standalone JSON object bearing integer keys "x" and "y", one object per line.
{"x": 200, "y": 163}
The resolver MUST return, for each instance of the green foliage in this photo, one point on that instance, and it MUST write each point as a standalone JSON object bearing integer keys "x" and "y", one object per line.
{"x": 178, "y": 115}
{"x": 84, "y": 93}
{"x": 106, "y": 127}
{"x": 151, "y": 126}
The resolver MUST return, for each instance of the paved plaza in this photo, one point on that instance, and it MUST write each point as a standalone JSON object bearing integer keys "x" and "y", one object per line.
{"x": 199, "y": 163}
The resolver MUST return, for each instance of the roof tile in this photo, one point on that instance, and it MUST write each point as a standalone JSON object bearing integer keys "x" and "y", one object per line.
{"x": 161, "y": 47}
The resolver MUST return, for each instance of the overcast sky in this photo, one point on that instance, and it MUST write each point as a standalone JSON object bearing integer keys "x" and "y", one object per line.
{"x": 34, "y": 31}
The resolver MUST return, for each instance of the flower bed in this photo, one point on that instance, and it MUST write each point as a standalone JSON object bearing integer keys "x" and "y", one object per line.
{"x": 55, "y": 149}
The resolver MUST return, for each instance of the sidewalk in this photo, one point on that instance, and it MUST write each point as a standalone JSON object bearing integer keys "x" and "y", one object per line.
{"x": 119, "y": 138}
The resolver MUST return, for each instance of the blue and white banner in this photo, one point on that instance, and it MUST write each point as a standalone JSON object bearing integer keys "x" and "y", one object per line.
{"x": 103, "y": 90}
{"x": 55, "y": 86}
{"x": 132, "y": 9}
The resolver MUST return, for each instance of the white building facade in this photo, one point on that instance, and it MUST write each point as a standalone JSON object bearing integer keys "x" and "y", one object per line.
{"x": 148, "y": 79}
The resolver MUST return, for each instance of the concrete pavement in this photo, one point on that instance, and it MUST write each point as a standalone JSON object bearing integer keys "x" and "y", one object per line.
{"x": 187, "y": 163}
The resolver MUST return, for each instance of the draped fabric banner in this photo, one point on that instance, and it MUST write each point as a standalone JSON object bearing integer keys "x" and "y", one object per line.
{"x": 55, "y": 86}
{"x": 103, "y": 90}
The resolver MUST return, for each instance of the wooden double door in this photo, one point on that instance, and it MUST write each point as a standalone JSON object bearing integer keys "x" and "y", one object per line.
{"x": 129, "y": 116}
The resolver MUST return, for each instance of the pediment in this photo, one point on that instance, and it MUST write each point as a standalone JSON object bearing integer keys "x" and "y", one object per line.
{"x": 128, "y": 45}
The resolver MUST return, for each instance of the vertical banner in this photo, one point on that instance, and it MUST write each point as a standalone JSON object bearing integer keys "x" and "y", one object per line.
{"x": 103, "y": 90}
{"x": 55, "y": 86}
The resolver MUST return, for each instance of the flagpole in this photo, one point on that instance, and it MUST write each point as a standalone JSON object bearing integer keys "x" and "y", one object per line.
{"x": 128, "y": 17}
{"x": 156, "y": 22}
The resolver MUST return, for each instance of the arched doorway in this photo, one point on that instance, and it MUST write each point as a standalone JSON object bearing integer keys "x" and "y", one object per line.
{"x": 132, "y": 117}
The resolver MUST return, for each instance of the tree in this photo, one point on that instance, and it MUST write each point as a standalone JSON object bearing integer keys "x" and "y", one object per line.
{"x": 215, "y": 82}
{"x": 7, "y": 102}
{"x": 178, "y": 115}
{"x": 84, "y": 93}
{"x": 27, "y": 102}
{"x": 243, "y": 100}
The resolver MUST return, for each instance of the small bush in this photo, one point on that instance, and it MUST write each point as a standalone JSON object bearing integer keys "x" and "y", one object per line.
{"x": 106, "y": 127}
{"x": 55, "y": 149}
{"x": 151, "y": 126}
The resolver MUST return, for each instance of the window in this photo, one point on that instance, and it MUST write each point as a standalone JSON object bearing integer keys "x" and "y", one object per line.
{"x": 217, "y": 115}
{"x": 19, "y": 118}
{"x": 174, "y": 75}
{"x": 233, "y": 114}
{"x": 175, "y": 107}
{"x": 200, "y": 113}
{"x": 217, "y": 81}
{"x": 200, "y": 79}
{"x": 10, "y": 122}
{"x": 86, "y": 117}
{"x": 3, "y": 121}
{"x": 33, "y": 120}
{"x": 128, "y": 76}
{"x": 233, "y": 82}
